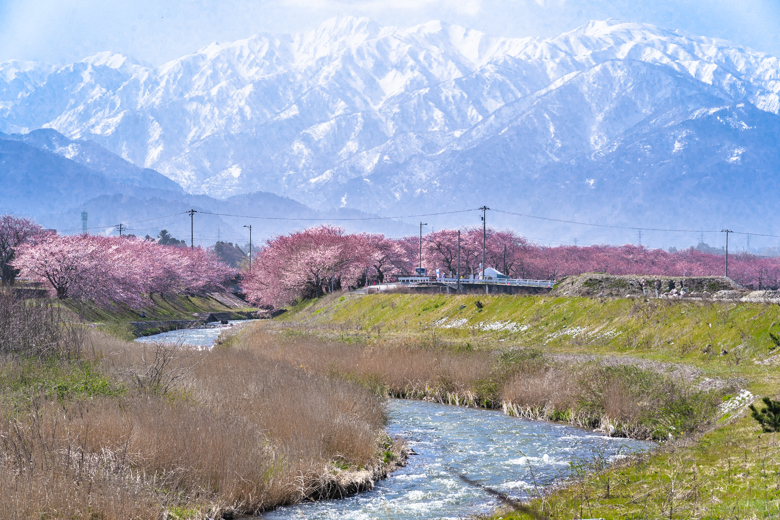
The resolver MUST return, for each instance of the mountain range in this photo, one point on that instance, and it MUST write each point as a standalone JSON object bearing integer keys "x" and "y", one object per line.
{"x": 614, "y": 123}
{"x": 46, "y": 176}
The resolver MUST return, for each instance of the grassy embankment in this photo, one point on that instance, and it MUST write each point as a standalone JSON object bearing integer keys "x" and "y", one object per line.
{"x": 94, "y": 427}
{"x": 644, "y": 367}
{"x": 116, "y": 320}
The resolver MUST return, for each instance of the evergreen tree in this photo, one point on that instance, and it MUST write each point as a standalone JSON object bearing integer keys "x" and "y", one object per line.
{"x": 166, "y": 239}
{"x": 769, "y": 417}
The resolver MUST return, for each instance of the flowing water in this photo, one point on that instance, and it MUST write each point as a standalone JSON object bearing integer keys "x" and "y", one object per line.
{"x": 202, "y": 338}
{"x": 514, "y": 456}
{"x": 511, "y": 455}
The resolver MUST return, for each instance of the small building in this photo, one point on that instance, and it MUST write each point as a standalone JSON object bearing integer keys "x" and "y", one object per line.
{"x": 494, "y": 274}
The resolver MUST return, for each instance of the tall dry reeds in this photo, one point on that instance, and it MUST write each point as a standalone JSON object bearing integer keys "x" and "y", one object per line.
{"x": 622, "y": 399}
{"x": 36, "y": 328}
{"x": 397, "y": 369}
{"x": 49, "y": 468}
{"x": 227, "y": 430}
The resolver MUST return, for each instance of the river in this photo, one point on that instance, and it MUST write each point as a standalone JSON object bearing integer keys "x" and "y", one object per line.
{"x": 201, "y": 338}
{"x": 515, "y": 456}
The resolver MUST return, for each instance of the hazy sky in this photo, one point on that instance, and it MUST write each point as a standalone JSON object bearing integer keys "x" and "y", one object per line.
{"x": 155, "y": 31}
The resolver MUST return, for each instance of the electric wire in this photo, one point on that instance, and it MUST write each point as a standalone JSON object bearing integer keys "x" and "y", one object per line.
{"x": 329, "y": 219}
{"x": 131, "y": 224}
{"x": 611, "y": 226}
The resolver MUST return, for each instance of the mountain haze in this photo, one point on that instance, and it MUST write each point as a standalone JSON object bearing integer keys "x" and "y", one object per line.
{"x": 48, "y": 177}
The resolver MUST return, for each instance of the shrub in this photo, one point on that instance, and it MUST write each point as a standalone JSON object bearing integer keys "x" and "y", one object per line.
{"x": 36, "y": 328}
{"x": 769, "y": 417}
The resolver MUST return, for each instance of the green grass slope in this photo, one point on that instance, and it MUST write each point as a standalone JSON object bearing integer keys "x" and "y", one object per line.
{"x": 692, "y": 331}
{"x": 116, "y": 320}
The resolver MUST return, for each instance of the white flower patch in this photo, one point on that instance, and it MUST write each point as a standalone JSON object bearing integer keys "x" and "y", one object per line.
{"x": 573, "y": 332}
{"x": 607, "y": 334}
{"x": 487, "y": 326}
{"x": 454, "y": 324}
{"x": 496, "y": 326}
{"x": 737, "y": 402}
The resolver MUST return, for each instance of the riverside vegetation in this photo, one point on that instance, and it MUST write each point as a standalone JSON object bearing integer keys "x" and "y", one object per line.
{"x": 681, "y": 371}
{"x": 92, "y": 426}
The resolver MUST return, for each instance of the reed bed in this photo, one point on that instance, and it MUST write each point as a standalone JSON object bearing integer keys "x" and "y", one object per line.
{"x": 645, "y": 401}
{"x": 162, "y": 431}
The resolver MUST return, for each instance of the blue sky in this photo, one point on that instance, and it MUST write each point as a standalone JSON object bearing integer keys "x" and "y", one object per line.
{"x": 155, "y": 31}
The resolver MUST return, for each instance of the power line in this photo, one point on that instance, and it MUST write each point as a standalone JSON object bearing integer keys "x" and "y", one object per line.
{"x": 633, "y": 228}
{"x": 750, "y": 233}
{"x": 327, "y": 219}
{"x": 152, "y": 229}
{"x": 611, "y": 226}
{"x": 638, "y": 229}
{"x": 131, "y": 222}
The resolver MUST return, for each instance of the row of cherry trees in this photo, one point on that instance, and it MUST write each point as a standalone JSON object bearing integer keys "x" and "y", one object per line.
{"x": 308, "y": 263}
{"x": 106, "y": 270}
{"x": 311, "y": 262}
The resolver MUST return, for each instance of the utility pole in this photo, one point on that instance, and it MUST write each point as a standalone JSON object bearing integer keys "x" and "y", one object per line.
{"x": 640, "y": 237}
{"x": 250, "y": 246}
{"x": 505, "y": 270}
{"x": 727, "y": 231}
{"x": 458, "y": 273}
{"x": 192, "y": 228}
{"x": 84, "y": 222}
{"x": 484, "y": 236}
{"x": 120, "y": 226}
{"x": 421, "y": 226}
{"x": 748, "y": 243}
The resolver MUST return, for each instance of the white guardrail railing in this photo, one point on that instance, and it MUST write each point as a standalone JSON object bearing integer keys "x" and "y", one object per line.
{"x": 548, "y": 284}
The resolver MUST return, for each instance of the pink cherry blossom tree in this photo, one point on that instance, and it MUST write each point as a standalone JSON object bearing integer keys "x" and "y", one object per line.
{"x": 306, "y": 264}
{"x": 110, "y": 270}
{"x": 386, "y": 257}
{"x": 14, "y": 232}
{"x": 79, "y": 267}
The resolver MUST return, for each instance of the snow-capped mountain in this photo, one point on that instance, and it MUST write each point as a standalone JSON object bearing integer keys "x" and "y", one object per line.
{"x": 96, "y": 158}
{"x": 376, "y": 118}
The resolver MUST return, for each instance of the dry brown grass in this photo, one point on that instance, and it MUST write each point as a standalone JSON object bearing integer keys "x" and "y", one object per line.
{"x": 546, "y": 388}
{"x": 401, "y": 369}
{"x": 36, "y": 328}
{"x": 647, "y": 401}
{"x": 199, "y": 431}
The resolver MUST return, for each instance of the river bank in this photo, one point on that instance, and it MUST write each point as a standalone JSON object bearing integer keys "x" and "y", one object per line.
{"x": 707, "y": 342}
{"x": 620, "y": 396}
{"x": 92, "y": 426}
{"x": 164, "y": 313}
